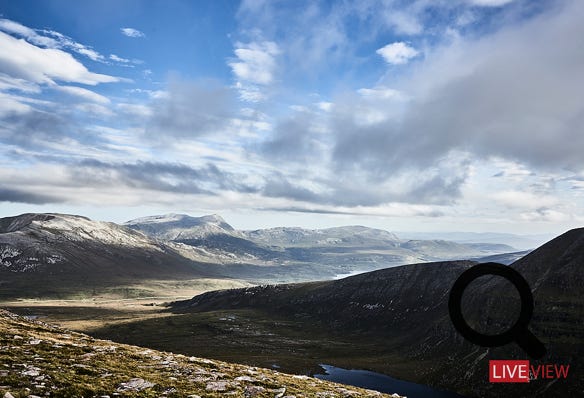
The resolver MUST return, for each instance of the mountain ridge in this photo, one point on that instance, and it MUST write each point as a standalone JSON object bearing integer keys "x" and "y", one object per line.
{"x": 54, "y": 254}
{"x": 70, "y": 250}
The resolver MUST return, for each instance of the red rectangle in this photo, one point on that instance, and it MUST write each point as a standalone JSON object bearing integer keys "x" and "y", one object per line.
{"x": 509, "y": 371}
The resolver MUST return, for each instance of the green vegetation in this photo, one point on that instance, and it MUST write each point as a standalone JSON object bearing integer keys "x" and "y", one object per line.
{"x": 38, "y": 358}
{"x": 258, "y": 338}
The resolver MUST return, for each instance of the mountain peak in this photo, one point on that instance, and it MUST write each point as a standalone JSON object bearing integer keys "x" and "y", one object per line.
{"x": 181, "y": 226}
{"x": 556, "y": 265}
{"x": 17, "y": 223}
{"x": 213, "y": 218}
{"x": 161, "y": 218}
{"x": 56, "y": 226}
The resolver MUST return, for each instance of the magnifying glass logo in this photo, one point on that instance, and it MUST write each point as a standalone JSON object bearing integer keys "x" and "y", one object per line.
{"x": 518, "y": 333}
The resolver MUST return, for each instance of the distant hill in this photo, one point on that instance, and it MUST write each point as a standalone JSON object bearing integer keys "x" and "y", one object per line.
{"x": 300, "y": 254}
{"x": 57, "y": 254}
{"x": 505, "y": 258}
{"x": 521, "y": 242}
{"x": 339, "y": 236}
{"x": 181, "y": 226}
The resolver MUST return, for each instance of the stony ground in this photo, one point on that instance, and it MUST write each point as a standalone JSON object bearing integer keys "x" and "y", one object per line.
{"x": 41, "y": 360}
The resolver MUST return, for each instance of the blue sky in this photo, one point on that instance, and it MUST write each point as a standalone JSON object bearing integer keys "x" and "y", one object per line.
{"x": 461, "y": 115}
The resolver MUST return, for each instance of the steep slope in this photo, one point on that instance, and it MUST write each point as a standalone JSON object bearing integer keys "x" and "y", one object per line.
{"x": 397, "y": 320}
{"x": 556, "y": 267}
{"x": 505, "y": 258}
{"x": 373, "y": 301}
{"x": 40, "y": 359}
{"x": 50, "y": 254}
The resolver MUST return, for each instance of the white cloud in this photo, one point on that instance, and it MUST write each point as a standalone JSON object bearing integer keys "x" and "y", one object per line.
{"x": 544, "y": 215}
{"x": 324, "y": 106}
{"x": 131, "y": 32}
{"x": 490, "y": 3}
{"x": 94, "y": 109}
{"x": 10, "y": 83}
{"x": 380, "y": 93}
{"x": 22, "y": 60}
{"x": 115, "y": 58}
{"x": 403, "y": 22}
{"x": 250, "y": 92}
{"x": 254, "y": 68}
{"x": 524, "y": 200}
{"x": 135, "y": 109}
{"x": 63, "y": 41}
{"x": 255, "y": 62}
{"x": 89, "y": 53}
{"x": 12, "y": 27}
{"x": 50, "y": 39}
{"x": 84, "y": 93}
{"x": 397, "y": 53}
{"x": 9, "y": 105}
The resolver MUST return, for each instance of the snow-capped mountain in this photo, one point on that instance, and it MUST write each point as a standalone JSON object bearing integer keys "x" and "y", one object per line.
{"x": 42, "y": 253}
{"x": 338, "y": 236}
{"x": 66, "y": 249}
{"x": 59, "y": 227}
{"x": 181, "y": 226}
{"x": 299, "y": 254}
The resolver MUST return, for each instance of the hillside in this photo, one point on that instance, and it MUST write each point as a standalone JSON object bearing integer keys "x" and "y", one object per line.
{"x": 57, "y": 255}
{"x": 394, "y": 321}
{"x": 39, "y": 359}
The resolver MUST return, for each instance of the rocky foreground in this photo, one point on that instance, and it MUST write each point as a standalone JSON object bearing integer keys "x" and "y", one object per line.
{"x": 38, "y": 360}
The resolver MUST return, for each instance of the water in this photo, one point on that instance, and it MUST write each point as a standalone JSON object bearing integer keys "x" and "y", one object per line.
{"x": 382, "y": 383}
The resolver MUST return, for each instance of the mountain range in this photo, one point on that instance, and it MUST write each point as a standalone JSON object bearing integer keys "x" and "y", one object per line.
{"x": 59, "y": 254}
{"x": 56, "y": 254}
{"x": 308, "y": 254}
{"x": 393, "y": 320}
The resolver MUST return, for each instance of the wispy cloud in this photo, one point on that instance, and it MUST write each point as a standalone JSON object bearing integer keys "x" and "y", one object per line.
{"x": 23, "y": 60}
{"x": 13, "y": 27}
{"x": 490, "y": 3}
{"x": 85, "y": 94}
{"x": 50, "y": 39}
{"x": 131, "y": 32}
{"x": 254, "y": 67}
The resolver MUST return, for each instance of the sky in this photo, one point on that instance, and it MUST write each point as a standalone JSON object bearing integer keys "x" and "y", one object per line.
{"x": 420, "y": 115}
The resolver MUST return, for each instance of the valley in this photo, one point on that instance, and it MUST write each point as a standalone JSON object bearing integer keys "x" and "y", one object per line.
{"x": 277, "y": 299}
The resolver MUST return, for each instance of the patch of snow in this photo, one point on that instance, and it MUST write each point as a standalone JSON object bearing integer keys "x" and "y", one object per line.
{"x": 8, "y": 255}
